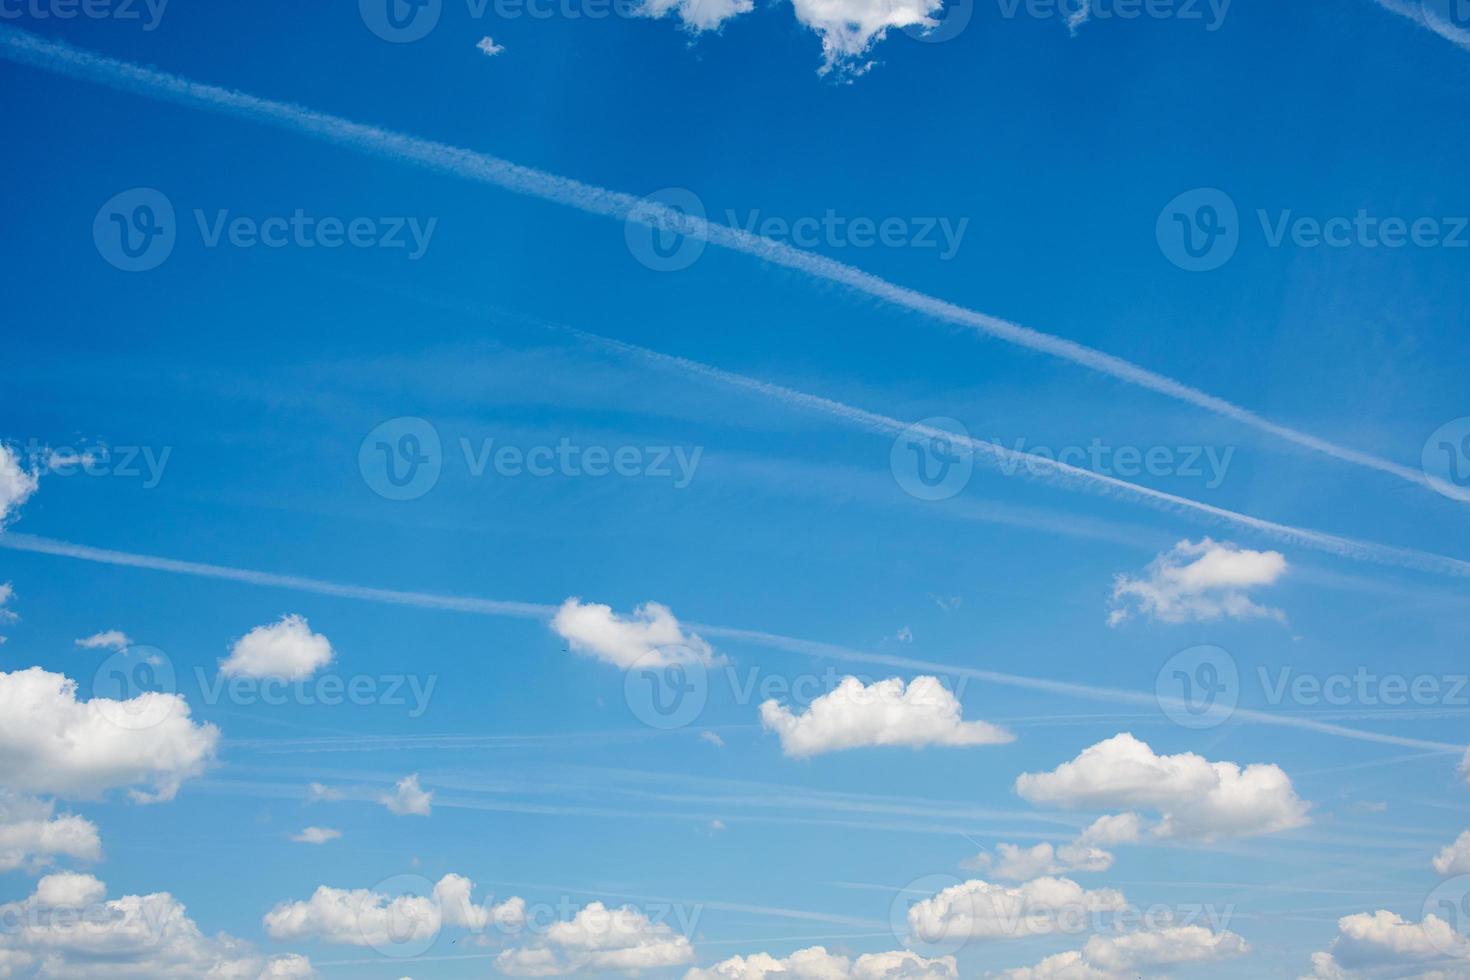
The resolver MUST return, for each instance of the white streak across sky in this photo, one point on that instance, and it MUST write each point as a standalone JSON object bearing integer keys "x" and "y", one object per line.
{"x": 23, "y": 47}
{"x": 771, "y": 641}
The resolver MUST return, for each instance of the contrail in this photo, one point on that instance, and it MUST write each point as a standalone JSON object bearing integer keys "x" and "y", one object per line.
{"x": 1050, "y": 470}
{"x": 60, "y": 58}
{"x": 771, "y": 641}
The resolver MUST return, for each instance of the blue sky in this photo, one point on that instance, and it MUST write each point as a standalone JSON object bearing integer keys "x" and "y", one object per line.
{"x": 560, "y": 464}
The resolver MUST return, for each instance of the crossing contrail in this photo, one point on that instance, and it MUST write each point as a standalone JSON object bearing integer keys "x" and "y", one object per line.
{"x": 1050, "y": 470}
{"x": 770, "y": 641}
{"x": 25, "y": 48}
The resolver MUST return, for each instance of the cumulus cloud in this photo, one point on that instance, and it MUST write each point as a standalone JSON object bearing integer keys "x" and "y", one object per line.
{"x": 1198, "y": 582}
{"x": 888, "y": 712}
{"x": 1380, "y": 944}
{"x": 1137, "y": 954}
{"x": 16, "y": 484}
{"x": 1015, "y": 863}
{"x": 599, "y": 940}
{"x": 68, "y": 928}
{"x": 52, "y": 743}
{"x": 1454, "y": 858}
{"x": 407, "y": 798}
{"x": 981, "y": 910}
{"x": 1196, "y": 799}
{"x": 316, "y": 835}
{"x": 363, "y": 917}
{"x": 815, "y": 963}
{"x": 287, "y": 649}
{"x": 487, "y": 46}
{"x": 32, "y": 836}
{"x": 651, "y": 637}
{"x": 106, "y": 640}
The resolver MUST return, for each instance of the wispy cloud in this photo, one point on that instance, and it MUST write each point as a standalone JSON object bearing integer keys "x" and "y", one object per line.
{"x": 26, "y": 48}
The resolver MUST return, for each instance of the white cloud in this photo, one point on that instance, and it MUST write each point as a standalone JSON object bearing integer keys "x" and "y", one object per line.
{"x": 1015, "y": 863}
{"x": 1200, "y": 582}
{"x": 316, "y": 835}
{"x": 815, "y": 963}
{"x": 287, "y": 649}
{"x": 1381, "y": 944}
{"x": 32, "y": 836}
{"x": 698, "y": 15}
{"x": 854, "y": 715}
{"x": 600, "y": 940}
{"x": 317, "y": 793}
{"x": 712, "y": 739}
{"x": 363, "y": 917}
{"x": 16, "y": 484}
{"x": 1137, "y": 954}
{"x": 1196, "y": 799}
{"x": 67, "y": 928}
{"x": 651, "y": 637}
{"x": 981, "y": 910}
{"x": 487, "y": 45}
{"x": 1454, "y": 858}
{"x": 850, "y": 28}
{"x": 106, "y": 640}
{"x": 407, "y": 798}
{"x": 7, "y": 592}
{"x": 52, "y": 743}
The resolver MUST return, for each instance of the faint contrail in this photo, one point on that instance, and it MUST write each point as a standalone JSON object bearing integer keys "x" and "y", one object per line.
{"x": 773, "y": 641}
{"x": 56, "y": 56}
{"x": 1052, "y": 470}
